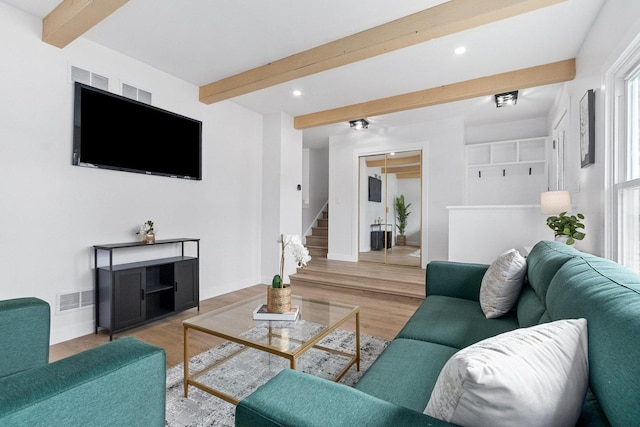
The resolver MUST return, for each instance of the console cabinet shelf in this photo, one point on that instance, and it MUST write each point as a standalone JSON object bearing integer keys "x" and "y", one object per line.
{"x": 135, "y": 293}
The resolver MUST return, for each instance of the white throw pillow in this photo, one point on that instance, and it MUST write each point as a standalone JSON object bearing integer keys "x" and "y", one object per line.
{"x": 502, "y": 283}
{"x": 535, "y": 376}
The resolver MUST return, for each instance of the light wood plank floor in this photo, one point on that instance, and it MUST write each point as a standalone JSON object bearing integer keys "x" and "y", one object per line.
{"x": 396, "y": 255}
{"x": 381, "y": 317}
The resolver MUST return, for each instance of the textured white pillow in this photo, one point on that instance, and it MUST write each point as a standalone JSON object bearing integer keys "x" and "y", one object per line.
{"x": 535, "y": 376}
{"x": 502, "y": 283}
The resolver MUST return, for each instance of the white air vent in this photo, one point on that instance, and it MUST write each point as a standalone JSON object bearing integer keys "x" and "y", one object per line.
{"x": 99, "y": 81}
{"x": 129, "y": 91}
{"x": 87, "y": 77}
{"x": 144, "y": 96}
{"x": 87, "y": 298}
{"x": 133, "y": 92}
{"x": 70, "y": 301}
{"x": 81, "y": 76}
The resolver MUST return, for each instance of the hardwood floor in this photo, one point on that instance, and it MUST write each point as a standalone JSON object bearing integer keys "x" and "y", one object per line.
{"x": 396, "y": 255}
{"x": 381, "y": 316}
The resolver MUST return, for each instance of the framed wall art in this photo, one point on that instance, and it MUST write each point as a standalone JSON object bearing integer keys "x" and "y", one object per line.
{"x": 587, "y": 129}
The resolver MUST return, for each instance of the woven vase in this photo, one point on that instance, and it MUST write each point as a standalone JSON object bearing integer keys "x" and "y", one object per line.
{"x": 278, "y": 299}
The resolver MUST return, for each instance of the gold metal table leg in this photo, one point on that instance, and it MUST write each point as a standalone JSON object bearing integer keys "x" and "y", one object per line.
{"x": 358, "y": 340}
{"x": 186, "y": 361}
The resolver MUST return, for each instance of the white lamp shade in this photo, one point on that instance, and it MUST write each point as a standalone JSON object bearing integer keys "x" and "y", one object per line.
{"x": 554, "y": 202}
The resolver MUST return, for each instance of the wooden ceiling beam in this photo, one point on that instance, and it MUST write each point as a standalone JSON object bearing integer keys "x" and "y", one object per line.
{"x": 72, "y": 18}
{"x": 447, "y": 18}
{"x": 541, "y": 75}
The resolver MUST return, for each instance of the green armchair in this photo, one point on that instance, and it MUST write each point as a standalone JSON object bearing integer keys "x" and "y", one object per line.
{"x": 119, "y": 383}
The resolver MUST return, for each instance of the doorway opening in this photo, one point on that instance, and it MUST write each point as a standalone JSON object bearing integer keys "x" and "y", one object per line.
{"x": 390, "y": 202}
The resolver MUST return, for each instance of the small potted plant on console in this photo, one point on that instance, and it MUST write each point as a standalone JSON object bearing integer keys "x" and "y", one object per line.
{"x": 147, "y": 232}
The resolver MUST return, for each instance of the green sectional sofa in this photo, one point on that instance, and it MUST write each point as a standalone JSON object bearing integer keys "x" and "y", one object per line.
{"x": 121, "y": 383}
{"x": 560, "y": 283}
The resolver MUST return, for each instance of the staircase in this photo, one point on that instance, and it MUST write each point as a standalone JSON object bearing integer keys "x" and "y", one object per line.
{"x": 318, "y": 241}
{"x": 388, "y": 281}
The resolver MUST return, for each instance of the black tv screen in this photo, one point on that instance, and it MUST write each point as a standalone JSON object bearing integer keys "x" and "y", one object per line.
{"x": 114, "y": 132}
{"x": 375, "y": 189}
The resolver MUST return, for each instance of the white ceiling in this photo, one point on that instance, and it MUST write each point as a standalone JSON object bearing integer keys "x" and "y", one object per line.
{"x": 201, "y": 41}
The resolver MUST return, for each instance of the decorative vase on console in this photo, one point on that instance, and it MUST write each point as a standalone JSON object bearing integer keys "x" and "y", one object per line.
{"x": 279, "y": 293}
{"x": 147, "y": 232}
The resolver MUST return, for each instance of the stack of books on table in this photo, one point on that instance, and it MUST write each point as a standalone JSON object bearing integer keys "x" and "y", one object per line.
{"x": 261, "y": 313}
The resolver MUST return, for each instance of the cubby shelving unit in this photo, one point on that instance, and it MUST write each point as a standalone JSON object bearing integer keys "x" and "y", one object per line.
{"x": 506, "y": 172}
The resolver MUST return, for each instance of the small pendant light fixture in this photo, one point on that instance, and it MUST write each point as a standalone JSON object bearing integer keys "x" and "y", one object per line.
{"x": 507, "y": 98}
{"x": 359, "y": 124}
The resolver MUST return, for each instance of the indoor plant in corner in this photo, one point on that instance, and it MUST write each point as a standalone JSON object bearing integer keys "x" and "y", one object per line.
{"x": 279, "y": 293}
{"x": 402, "y": 213}
{"x": 566, "y": 227}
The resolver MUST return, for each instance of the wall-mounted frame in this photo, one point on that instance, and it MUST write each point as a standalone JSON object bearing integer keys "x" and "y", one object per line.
{"x": 587, "y": 129}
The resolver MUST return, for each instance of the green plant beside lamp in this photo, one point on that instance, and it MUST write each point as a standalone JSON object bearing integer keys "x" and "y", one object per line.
{"x": 567, "y": 225}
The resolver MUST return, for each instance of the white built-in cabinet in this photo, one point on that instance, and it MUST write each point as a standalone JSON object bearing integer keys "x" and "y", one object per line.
{"x": 506, "y": 172}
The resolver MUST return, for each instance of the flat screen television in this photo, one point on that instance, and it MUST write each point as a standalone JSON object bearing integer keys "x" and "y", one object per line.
{"x": 375, "y": 189}
{"x": 114, "y": 132}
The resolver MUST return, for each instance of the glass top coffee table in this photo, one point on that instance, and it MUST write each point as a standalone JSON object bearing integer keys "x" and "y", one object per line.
{"x": 289, "y": 340}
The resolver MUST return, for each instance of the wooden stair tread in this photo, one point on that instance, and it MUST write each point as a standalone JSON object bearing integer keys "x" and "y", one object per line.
{"x": 381, "y": 287}
{"x": 368, "y": 270}
{"x": 363, "y": 276}
{"x": 368, "y": 282}
{"x": 318, "y": 242}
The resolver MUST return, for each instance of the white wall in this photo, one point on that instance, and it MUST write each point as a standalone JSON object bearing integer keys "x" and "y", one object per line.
{"x": 52, "y": 212}
{"x": 617, "y": 24}
{"x": 282, "y": 201}
{"x": 445, "y": 179}
{"x": 318, "y": 186}
{"x": 520, "y": 129}
{"x": 480, "y": 234}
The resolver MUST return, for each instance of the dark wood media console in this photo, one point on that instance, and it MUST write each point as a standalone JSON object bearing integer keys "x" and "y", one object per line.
{"x": 131, "y": 294}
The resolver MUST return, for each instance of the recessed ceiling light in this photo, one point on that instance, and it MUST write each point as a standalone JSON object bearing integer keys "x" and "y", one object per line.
{"x": 297, "y": 92}
{"x": 460, "y": 50}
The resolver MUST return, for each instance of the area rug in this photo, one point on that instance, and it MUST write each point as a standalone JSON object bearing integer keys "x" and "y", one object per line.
{"x": 251, "y": 368}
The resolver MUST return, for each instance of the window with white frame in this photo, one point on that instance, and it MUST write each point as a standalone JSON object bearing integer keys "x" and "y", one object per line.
{"x": 626, "y": 188}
